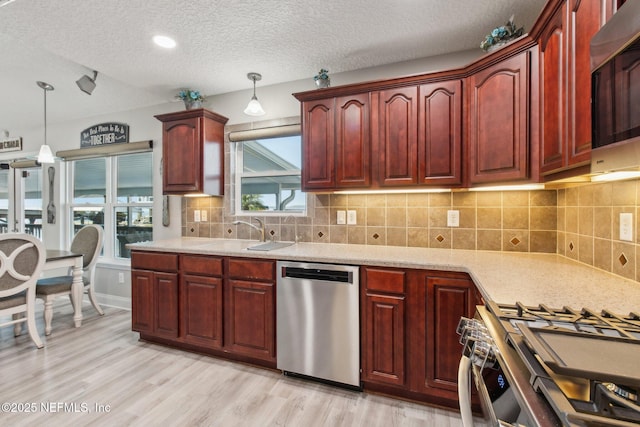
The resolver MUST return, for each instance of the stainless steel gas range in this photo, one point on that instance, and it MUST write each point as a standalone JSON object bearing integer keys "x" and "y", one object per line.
{"x": 537, "y": 366}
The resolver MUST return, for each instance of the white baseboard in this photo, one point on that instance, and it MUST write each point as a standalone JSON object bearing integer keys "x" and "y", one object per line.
{"x": 113, "y": 301}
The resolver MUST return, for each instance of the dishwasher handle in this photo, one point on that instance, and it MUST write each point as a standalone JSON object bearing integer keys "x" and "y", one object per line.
{"x": 318, "y": 274}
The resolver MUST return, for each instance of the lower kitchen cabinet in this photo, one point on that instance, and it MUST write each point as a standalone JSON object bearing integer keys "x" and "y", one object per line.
{"x": 154, "y": 294}
{"x": 201, "y": 302}
{"x": 441, "y": 301}
{"x": 250, "y": 308}
{"x": 383, "y": 326}
{"x": 409, "y": 343}
{"x": 219, "y": 305}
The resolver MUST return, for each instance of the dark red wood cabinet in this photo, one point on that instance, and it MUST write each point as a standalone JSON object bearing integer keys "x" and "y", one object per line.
{"x": 565, "y": 83}
{"x": 440, "y": 133}
{"x": 398, "y": 137}
{"x": 219, "y": 305}
{"x": 193, "y": 152}
{"x": 250, "y": 308}
{"x": 383, "y": 326}
{"x": 336, "y": 143}
{"x": 409, "y": 343}
{"x": 498, "y": 116}
{"x": 201, "y": 300}
{"x": 154, "y": 294}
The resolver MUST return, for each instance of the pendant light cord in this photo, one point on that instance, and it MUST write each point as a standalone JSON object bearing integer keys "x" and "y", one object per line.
{"x": 45, "y": 115}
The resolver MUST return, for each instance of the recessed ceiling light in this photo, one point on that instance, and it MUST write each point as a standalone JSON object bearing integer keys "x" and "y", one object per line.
{"x": 164, "y": 41}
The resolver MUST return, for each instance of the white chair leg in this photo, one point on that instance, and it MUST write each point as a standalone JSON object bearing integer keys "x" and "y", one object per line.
{"x": 94, "y": 301}
{"x": 17, "y": 328}
{"x": 48, "y": 315}
{"x": 31, "y": 326}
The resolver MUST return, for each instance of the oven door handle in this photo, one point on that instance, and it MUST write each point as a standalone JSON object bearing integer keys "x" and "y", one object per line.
{"x": 464, "y": 391}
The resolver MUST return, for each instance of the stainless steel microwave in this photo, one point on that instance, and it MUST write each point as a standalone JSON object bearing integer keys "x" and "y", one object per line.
{"x": 615, "y": 92}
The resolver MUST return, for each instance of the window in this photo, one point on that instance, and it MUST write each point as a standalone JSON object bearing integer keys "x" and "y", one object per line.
{"x": 117, "y": 193}
{"x": 268, "y": 176}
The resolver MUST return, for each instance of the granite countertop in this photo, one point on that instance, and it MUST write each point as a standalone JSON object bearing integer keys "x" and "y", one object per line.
{"x": 504, "y": 277}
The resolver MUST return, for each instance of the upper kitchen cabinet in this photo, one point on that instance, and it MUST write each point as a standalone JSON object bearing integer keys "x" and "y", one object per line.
{"x": 397, "y": 154}
{"x": 565, "y": 83}
{"x": 407, "y": 135}
{"x": 440, "y": 133}
{"x": 336, "y": 142}
{"x": 193, "y": 152}
{"x": 499, "y": 140}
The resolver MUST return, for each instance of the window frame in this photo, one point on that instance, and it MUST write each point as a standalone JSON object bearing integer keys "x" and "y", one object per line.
{"x": 238, "y": 173}
{"x": 109, "y": 206}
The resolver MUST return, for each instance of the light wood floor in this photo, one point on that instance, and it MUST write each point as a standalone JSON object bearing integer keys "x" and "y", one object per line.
{"x": 103, "y": 364}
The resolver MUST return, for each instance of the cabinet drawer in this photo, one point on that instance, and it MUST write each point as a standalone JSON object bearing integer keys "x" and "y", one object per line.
{"x": 251, "y": 269}
{"x": 154, "y": 261}
{"x": 201, "y": 265}
{"x": 385, "y": 280}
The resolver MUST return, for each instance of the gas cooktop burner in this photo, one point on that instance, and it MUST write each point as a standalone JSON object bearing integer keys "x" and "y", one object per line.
{"x": 586, "y": 320}
{"x": 584, "y": 362}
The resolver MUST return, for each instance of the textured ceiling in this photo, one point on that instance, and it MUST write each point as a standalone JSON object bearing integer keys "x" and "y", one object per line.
{"x": 219, "y": 41}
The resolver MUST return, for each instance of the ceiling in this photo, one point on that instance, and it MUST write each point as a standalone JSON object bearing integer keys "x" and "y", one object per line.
{"x": 219, "y": 42}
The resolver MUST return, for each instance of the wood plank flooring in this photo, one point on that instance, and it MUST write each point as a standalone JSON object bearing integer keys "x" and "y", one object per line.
{"x": 101, "y": 375}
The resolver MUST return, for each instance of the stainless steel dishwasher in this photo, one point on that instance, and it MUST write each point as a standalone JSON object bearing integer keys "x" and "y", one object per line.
{"x": 318, "y": 323}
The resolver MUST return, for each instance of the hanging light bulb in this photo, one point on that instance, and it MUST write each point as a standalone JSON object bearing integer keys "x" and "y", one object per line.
{"x": 45, "y": 155}
{"x": 254, "y": 108}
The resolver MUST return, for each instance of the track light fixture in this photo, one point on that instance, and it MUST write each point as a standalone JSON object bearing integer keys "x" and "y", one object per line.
{"x": 254, "y": 108}
{"x": 87, "y": 84}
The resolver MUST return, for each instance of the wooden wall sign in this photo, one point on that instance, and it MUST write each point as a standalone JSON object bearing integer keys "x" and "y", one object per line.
{"x": 14, "y": 144}
{"x": 103, "y": 134}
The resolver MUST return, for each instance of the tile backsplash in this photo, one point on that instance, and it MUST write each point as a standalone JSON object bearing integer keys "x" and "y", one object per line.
{"x": 523, "y": 221}
{"x": 580, "y": 222}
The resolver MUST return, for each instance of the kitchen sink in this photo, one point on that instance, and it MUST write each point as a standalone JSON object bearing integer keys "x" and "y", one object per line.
{"x": 269, "y": 246}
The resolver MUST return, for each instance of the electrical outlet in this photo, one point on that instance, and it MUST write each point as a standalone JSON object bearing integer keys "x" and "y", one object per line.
{"x": 352, "y": 218}
{"x": 341, "y": 217}
{"x": 453, "y": 218}
{"x": 196, "y": 216}
{"x": 120, "y": 277}
{"x": 203, "y": 215}
{"x": 626, "y": 226}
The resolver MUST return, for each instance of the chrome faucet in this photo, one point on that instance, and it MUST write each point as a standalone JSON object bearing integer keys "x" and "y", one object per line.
{"x": 260, "y": 228}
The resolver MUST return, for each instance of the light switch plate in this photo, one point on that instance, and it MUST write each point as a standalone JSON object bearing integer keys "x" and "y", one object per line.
{"x": 341, "y": 217}
{"x": 203, "y": 215}
{"x": 453, "y": 218}
{"x": 626, "y": 226}
{"x": 352, "y": 218}
{"x": 196, "y": 216}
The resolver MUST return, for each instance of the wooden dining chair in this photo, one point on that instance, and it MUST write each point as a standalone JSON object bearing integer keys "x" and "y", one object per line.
{"x": 88, "y": 242}
{"x": 22, "y": 258}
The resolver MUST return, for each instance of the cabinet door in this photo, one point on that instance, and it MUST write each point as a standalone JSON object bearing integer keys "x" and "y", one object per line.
{"x": 250, "y": 319}
{"x": 553, "y": 93}
{"x": 182, "y": 156}
{"x": 201, "y": 310}
{"x": 318, "y": 144}
{"x": 440, "y": 133}
{"x": 384, "y": 352}
{"x": 142, "y": 305}
{"x": 165, "y": 305}
{"x": 586, "y": 18}
{"x": 353, "y": 151}
{"x": 443, "y": 301}
{"x": 498, "y": 125}
{"x": 383, "y": 325}
{"x": 398, "y": 137}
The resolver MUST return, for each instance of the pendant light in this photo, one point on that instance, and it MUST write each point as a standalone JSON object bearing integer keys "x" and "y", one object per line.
{"x": 45, "y": 155}
{"x": 254, "y": 108}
